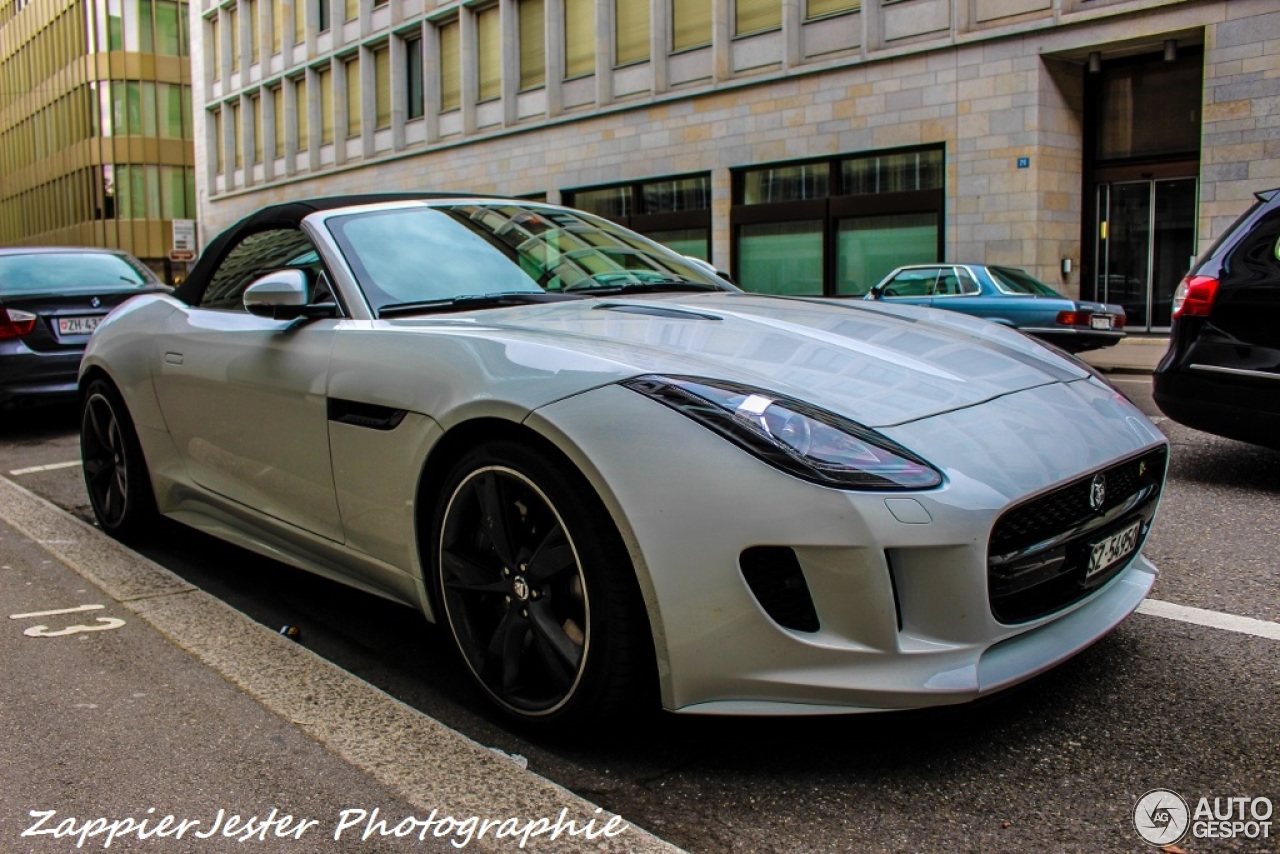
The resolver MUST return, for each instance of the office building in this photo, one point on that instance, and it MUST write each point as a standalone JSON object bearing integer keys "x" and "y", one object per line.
{"x": 96, "y": 125}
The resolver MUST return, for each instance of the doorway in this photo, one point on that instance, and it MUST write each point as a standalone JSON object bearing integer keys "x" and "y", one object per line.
{"x": 1146, "y": 241}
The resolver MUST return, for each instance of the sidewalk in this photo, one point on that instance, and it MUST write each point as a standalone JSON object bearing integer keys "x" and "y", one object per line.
{"x": 134, "y": 703}
{"x": 1135, "y": 354}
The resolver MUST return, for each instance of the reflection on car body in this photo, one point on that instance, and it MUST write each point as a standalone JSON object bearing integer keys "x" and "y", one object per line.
{"x": 611, "y": 475}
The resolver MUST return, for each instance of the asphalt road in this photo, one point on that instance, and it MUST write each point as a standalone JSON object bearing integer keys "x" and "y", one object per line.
{"x": 1056, "y": 765}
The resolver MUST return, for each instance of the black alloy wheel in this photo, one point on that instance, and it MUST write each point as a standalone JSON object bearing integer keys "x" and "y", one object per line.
{"x": 115, "y": 474}
{"x": 537, "y": 590}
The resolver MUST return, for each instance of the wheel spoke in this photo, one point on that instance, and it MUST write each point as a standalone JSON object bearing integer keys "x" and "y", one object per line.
{"x": 462, "y": 573}
{"x": 548, "y": 632}
{"x": 101, "y": 432}
{"x": 493, "y": 509}
{"x": 552, "y": 558}
{"x": 506, "y": 648}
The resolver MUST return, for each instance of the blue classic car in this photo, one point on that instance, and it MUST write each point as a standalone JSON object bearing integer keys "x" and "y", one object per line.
{"x": 1009, "y": 296}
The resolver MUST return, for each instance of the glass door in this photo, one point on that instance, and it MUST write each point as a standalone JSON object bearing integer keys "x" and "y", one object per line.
{"x": 1146, "y": 243}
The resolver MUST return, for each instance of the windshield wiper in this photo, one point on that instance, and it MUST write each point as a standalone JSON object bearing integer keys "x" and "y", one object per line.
{"x": 649, "y": 286}
{"x": 466, "y": 302}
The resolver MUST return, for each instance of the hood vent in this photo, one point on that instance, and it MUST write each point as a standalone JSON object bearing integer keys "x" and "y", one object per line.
{"x": 670, "y": 312}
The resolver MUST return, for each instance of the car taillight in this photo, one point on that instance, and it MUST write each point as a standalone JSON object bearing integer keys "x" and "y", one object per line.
{"x": 1194, "y": 296}
{"x": 1117, "y": 320}
{"x": 1073, "y": 318}
{"x": 16, "y": 324}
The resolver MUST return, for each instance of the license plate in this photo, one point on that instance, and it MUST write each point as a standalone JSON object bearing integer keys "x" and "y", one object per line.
{"x": 1100, "y": 321}
{"x": 78, "y": 325}
{"x": 1114, "y": 548}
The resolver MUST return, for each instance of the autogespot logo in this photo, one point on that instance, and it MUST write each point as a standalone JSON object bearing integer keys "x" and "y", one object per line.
{"x": 1161, "y": 817}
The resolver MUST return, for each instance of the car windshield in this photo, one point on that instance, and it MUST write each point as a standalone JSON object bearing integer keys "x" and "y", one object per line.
{"x": 71, "y": 272}
{"x": 437, "y": 254}
{"x": 1011, "y": 280}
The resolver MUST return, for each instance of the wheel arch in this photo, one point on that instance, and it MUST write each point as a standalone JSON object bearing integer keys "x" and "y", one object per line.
{"x": 472, "y": 433}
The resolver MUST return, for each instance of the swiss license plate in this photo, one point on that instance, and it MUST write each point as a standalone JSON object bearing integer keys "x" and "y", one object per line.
{"x": 1102, "y": 321}
{"x": 78, "y": 325}
{"x": 1114, "y": 548}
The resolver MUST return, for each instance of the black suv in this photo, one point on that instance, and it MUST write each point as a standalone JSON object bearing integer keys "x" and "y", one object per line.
{"x": 1222, "y": 371}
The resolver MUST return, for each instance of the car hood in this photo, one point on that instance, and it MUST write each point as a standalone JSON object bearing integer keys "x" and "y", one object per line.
{"x": 878, "y": 364}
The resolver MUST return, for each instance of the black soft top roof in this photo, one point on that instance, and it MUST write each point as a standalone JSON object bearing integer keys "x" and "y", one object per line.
{"x": 283, "y": 215}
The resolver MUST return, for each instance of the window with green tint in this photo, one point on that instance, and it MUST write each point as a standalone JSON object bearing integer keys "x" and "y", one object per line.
{"x": 786, "y": 183}
{"x": 781, "y": 257}
{"x": 612, "y": 202}
{"x": 533, "y": 43}
{"x": 171, "y": 100}
{"x": 869, "y": 248}
{"x": 755, "y": 16}
{"x": 450, "y": 70}
{"x": 631, "y": 31}
{"x": 677, "y": 194}
{"x": 690, "y": 24}
{"x": 382, "y": 87}
{"x": 579, "y": 38}
{"x": 488, "y": 54}
{"x": 413, "y": 84}
{"x": 687, "y": 241}
{"x": 823, "y": 8}
{"x": 892, "y": 173}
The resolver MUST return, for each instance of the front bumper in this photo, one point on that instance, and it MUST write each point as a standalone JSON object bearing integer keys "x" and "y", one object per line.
{"x": 898, "y": 581}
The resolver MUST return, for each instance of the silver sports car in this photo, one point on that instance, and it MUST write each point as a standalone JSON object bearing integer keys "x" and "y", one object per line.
{"x": 611, "y": 475}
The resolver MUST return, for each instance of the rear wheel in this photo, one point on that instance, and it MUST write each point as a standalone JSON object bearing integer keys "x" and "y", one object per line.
{"x": 537, "y": 590}
{"x": 115, "y": 473}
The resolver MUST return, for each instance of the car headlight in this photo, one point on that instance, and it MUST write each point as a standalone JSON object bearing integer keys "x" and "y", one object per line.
{"x": 810, "y": 443}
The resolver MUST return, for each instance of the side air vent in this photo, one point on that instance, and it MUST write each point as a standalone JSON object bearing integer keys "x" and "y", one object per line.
{"x": 773, "y": 573}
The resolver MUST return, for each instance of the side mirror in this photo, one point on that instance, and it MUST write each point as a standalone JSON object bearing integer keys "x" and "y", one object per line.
{"x": 283, "y": 295}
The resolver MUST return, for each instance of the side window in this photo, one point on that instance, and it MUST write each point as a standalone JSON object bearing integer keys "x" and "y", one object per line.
{"x": 255, "y": 256}
{"x": 911, "y": 283}
{"x": 948, "y": 284}
{"x": 1258, "y": 257}
{"x": 968, "y": 285}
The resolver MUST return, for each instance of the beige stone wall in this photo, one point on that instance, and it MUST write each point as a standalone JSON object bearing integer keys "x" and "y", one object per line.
{"x": 1240, "y": 145}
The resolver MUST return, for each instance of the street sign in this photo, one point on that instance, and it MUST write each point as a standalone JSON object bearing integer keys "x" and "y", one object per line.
{"x": 184, "y": 237}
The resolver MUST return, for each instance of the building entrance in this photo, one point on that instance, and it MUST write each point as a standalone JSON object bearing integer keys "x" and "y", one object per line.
{"x": 1146, "y": 241}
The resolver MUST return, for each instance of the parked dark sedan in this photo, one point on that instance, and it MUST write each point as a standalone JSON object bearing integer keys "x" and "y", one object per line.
{"x": 1009, "y": 296}
{"x": 1221, "y": 373}
{"x": 51, "y": 299}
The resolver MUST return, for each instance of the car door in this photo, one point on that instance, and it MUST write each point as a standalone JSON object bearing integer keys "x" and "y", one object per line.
{"x": 244, "y": 397}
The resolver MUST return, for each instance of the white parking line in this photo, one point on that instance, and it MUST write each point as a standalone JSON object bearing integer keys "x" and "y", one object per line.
{"x": 50, "y": 467}
{"x": 1212, "y": 619}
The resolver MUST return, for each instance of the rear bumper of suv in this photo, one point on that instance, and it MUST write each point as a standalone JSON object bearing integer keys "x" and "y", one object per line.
{"x": 1222, "y": 402}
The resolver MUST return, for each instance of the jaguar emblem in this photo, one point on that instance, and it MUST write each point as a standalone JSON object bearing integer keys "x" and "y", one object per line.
{"x": 1097, "y": 492}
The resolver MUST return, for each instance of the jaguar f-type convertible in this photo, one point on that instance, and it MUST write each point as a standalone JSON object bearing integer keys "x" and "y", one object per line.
{"x": 610, "y": 474}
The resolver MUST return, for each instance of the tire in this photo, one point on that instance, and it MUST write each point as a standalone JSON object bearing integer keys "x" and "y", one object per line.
{"x": 115, "y": 472}
{"x": 537, "y": 591}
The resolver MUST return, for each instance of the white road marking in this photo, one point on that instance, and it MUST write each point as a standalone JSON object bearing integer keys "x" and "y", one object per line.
{"x": 76, "y": 610}
{"x": 50, "y": 467}
{"x": 1212, "y": 619}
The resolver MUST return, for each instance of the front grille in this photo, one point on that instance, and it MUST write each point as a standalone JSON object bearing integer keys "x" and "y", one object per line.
{"x": 1038, "y": 556}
